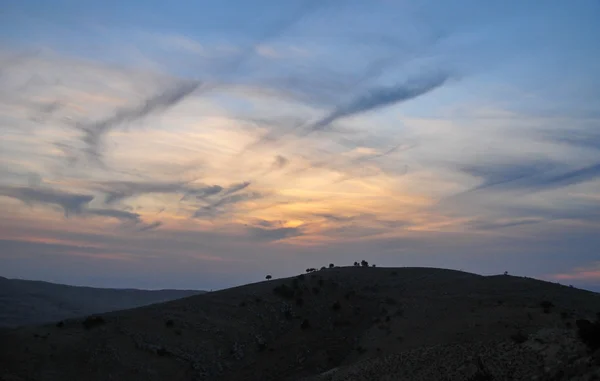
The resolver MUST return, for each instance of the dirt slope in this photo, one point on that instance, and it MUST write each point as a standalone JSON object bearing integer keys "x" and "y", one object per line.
{"x": 418, "y": 322}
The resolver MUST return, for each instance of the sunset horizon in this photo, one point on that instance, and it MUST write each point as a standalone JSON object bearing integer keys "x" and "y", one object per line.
{"x": 204, "y": 145}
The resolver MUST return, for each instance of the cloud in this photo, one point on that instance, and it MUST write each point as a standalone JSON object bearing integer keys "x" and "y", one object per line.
{"x": 118, "y": 214}
{"x": 236, "y": 187}
{"x": 203, "y": 192}
{"x": 581, "y": 139}
{"x": 382, "y": 97}
{"x": 481, "y": 224}
{"x": 279, "y": 162}
{"x": 117, "y": 190}
{"x": 532, "y": 176}
{"x": 222, "y": 205}
{"x": 94, "y": 132}
{"x": 581, "y": 273}
{"x": 71, "y": 203}
{"x": 274, "y": 234}
{"x": 151, "y": 226}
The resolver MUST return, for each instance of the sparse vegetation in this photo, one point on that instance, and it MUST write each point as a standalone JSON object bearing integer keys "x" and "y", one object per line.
{"x": 547, "y": 306}
{"x": 162, "y": 351}
{"x": 93, "y": 321}
{"x": 519, "y": 337}
{"x": 284, "y": 291}
{"x": 589, "y": 333}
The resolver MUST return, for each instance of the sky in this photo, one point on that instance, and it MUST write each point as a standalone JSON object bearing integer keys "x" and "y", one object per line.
{"x": 206, "y": 144}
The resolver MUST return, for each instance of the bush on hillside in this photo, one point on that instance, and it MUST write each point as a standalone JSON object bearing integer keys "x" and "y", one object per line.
{"x": 547, "y": 306}
{"x": 284, "y": 291}
{"x": 589, "y": 333}
{"x": 93, "y": 321}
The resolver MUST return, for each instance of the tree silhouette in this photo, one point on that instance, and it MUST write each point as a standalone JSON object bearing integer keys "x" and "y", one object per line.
{"x": 331, "y": 265}
{"x": 268, "y": 277}
{"x": 364, "y": 263}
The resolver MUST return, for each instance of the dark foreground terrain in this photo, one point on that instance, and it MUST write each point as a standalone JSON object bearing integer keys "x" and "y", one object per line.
{"x": 26, "y": 302}
{"x": 336, "y": 324}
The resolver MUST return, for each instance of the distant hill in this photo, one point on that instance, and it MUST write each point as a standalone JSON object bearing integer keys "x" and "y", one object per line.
{"x": 25, "y": 302}
{"x": 339, "y": 324}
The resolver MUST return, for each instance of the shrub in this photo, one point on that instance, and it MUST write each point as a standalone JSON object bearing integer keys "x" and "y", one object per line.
{"x": 295, "y": 283}
{"x": 299, "y": 302}
{"x": 364, "y": 263}
{"x": 519, "y": 337}
{"x": 60, "y": 324}
{"x": 268, "y": 277}
{"x": 547, "y": 306}
{"x": 93, "y": 321}
{"x": 315, "y": 290}
{"x": 373, "y": 265}
{"x": 323, "y": 268}
{"x": 394, "y": 273}
{"x": 589, "y": 333}
{"x": 356, "y": 264}
{"x": 300, "y": 277}
{"x": 305, "y": 324}
{"x": 331, "y": 265}
{"x": 336, "y": 306}
{"x": 162, "y": 351}
{"x": 169, "y": 323}
{"x": 284, "y": 291}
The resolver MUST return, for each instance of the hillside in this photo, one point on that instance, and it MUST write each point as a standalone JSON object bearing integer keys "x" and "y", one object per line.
{"x": 25, "y": 302}
{"x": 335, "y": 324}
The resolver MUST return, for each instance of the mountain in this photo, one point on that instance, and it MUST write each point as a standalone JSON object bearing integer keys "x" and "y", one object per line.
{"x": 349, "y": 323}
{"x": 26, "y": 302}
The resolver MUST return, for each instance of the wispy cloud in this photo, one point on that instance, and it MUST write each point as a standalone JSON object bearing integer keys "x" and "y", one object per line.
{"x": 591, "y": 273}
{"x": 94, "y": 132}
{"x": 532, "y": 176}
{"x": 236, "y": 188}
{"x": 118, "y": 214}
{"x": 151, "y": 226}
{"x": 276, "y": 234}
{"x": 71, "y": 203}
{"x": 382, "y": 97}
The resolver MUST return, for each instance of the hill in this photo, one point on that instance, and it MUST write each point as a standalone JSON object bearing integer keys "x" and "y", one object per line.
{"x": 26, "y": 302}
{"x": 338, "y": 324}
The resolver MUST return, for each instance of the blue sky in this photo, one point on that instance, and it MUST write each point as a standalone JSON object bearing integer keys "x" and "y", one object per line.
{"x": 203, "y": 144}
